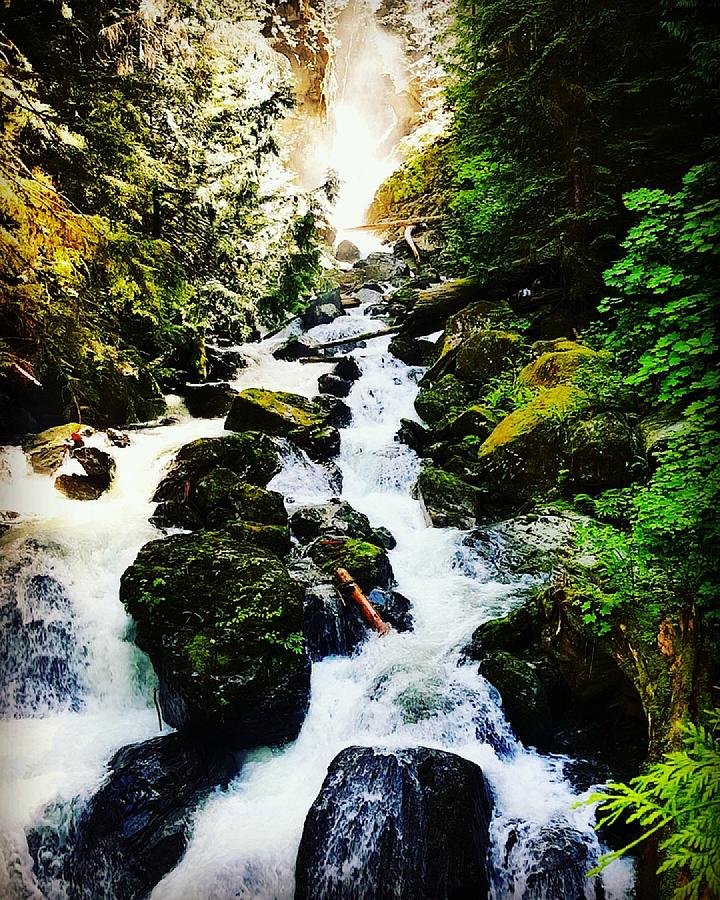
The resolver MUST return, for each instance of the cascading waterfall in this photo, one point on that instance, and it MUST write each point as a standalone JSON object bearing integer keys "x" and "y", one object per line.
{"x": 76, "y": 688}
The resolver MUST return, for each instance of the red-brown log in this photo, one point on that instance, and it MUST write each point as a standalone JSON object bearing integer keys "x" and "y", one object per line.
{"x": 370, "y": 614}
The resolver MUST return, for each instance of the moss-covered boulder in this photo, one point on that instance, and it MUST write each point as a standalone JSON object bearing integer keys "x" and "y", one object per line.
{"x": 209, "y": 401}
{"x": 337, "y": 518}
{"x": 367, "y": 563}
{"x": 478, "y": 316}
{"x": 250, "y": 457}
{"x": 447, "y": 397}
{"x": 222, "y": 496}
{"x": 414, "y": 351}
{"x": 275, "y": 538}
{"x": 475, "y": 421}
{"x": 446, "y": 499}
{"x": 603, "y": 452}
{"x": 46, "y": 450}
{"x": 487, "y": 354}
{"x": 293, "y": 416}
{"x": 562, "y": 366}
{"x": 523, "y": 697}
{"x": 522, "y": 456}
{"x": 222, "y": 624}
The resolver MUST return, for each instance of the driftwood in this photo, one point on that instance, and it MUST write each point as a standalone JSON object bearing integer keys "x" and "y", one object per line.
{"x": 339, "y": 342}
{"x": 370, "y": 614}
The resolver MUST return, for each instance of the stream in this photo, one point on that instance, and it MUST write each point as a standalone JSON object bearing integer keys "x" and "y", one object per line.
{"x": 82, "y": 689}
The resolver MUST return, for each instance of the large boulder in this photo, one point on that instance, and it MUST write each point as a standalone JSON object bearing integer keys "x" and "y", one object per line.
{"x": 603, "y": 452}
{"x": 413, "y": 351}
{"x": 522, "y": 456}
{"x": 46, "y": 450}
{"x": 332, "y": 384}
{"x": 446, "y": 500}
{"x": 381, "y": 267}
{"x": 324, "y": 309}
{"x": 304, "y": 421}
{"x": 223, "y": 362}
{"x": 418, "y": 828}
{"x": 99, "y": 472}
{"x": 337, "y": 519}
{"x": 347, "y": 368}
{"x": 367, "y": 563}
{"x": 486, "y": 354}
{"x": 447, "y": 397}
{"x": 221, "y": 496}
{"x": 250, "y": 456}
{"x": 222, "y": 624}
{"x": 347, "y": 252}
{"x": 135, "y": 828}
{"x": 561, "y": 364}
{"x": 296, "y": 347}
{"x": 209, "y": 401}
{"x": 432, "y": 306}
{"x": 523, "y": 697}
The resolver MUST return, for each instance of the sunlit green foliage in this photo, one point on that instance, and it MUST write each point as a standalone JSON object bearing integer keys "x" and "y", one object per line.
{"x": 679, "y": 798}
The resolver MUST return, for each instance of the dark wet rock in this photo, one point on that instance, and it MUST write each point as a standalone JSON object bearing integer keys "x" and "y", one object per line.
{"x": 533, "y": 544}
{"x": 381, "y": 267}
{"x": 273, "y": 537}
{"x": 549, "y": 862}
{"x": 413, "y": 351}
{"x": 324, "y": 622}
{"x": 222, "y": 624}
{"x": 414, "y": 435}
{"x": 394, "y": 608}
{"x": 303, "y": 421}
{"x": 523, "y": 697}
{"x": 338, "y": 413}
{"x": 100, "y": 471}
{"x": 42, "y": 663}
{"x": 337, "y": 519}
{"x": 209, "y": 401}
{"x": 326, "y": 308}
{"x": 346, "y": 251}
{"x": 118, "y": 438}
{"x": 487, "y": 354}
{"x": 222, "y": 496}
{"x": 135, "y": 828}
{"x": 331, "y": 384}
{"x": 429, "y": 308}
{"x": 420, "y": 832}
{"x": 512, "y": 633}
{"x": 347, "y": 368}
{"x": 297, "y": 346}
{"x": 250, "y": 456}
{"x": 223, "y": 363}
{"x": 446, "y": 500}
{"x": 367, "y": 563}
{"x": 46, "y": 451}
{"x": 448, "y": 396}
{"x": 603, "y": 452}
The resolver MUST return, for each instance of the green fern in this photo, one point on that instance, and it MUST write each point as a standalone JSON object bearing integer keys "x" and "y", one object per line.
{"x": 681, "y": 796}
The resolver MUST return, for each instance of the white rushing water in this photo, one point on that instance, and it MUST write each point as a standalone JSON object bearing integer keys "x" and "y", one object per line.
{"x": 402, "y": 690}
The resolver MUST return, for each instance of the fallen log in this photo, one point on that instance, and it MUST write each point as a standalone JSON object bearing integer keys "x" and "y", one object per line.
{"x": 339, "y": 342}
{"x": 395, "y": 223}
{"x": 353, "y": 592}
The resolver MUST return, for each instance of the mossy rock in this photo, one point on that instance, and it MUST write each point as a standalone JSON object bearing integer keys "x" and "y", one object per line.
{"x": 251, "y": 456}
{"x": 487, "y": 354}
{"x": 367, "y": 563}
{"x": 275, "y": 538}
{"x": 603, "y": 452}
{"x": 523, "y": 455}
{"x": 475, "y": 421}
{"x": 448, "y": 396}
{"x": 512, "y": 633}
{"x": 337, "y": 518}
{"x": 221, "y": 622}
{"x": 306, "y": 422}
{"x": 46, "y": 451}
{"x": 561, "y": 367}
{"x": 414, "y": 351}
{"x": 523, "y": 696}
{"x": 476, "y": 317}
{"x": 446, "y": 499}
{"x": 222, "y": 496}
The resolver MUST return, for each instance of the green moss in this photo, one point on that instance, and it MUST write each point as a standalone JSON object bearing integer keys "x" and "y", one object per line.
{"x": 367, "y": 563}
{"x": 277, "y": 410}
{"x": 487, "y": 354}
{"x": 45, "y": 450}
{"x": 558, "y": 367}
{"x": 222, "y": 495}
{"x": 448, "y": 396}
{"x": 273, "y": 537}
{"x": 541, "y": 413}
{"x": 446, "y": 498}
